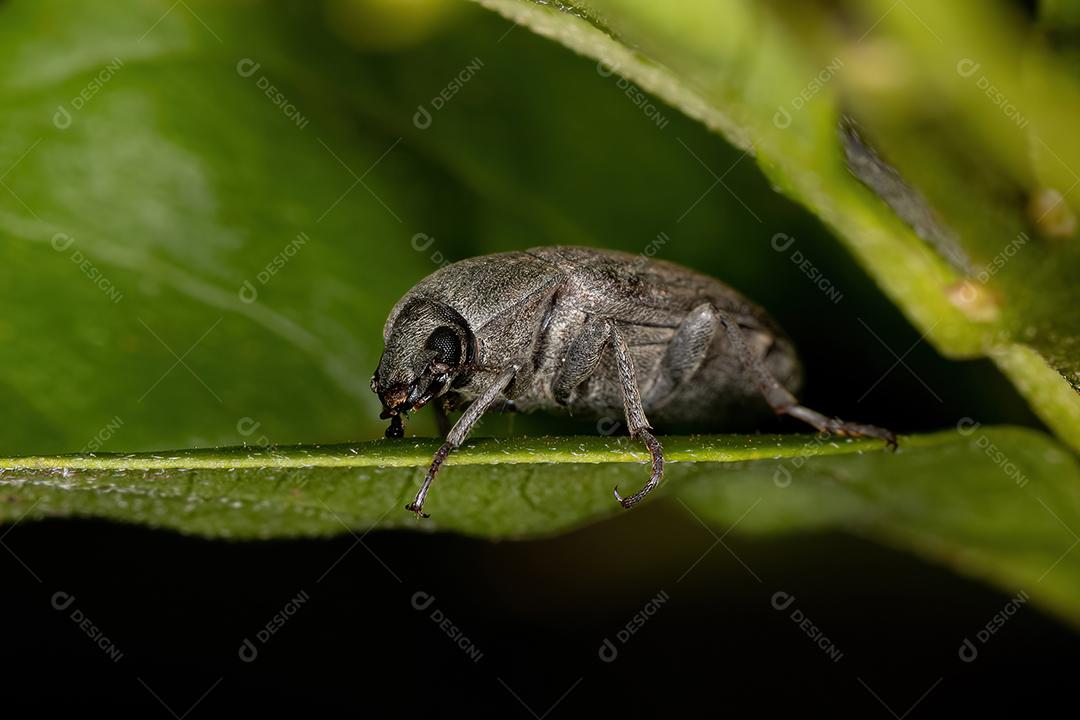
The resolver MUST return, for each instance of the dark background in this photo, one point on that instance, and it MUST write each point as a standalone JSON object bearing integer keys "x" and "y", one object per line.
{"x": 179, "y": 609}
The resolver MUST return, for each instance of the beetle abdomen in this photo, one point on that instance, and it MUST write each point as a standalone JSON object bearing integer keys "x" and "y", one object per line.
{"x": 649, "y": 301}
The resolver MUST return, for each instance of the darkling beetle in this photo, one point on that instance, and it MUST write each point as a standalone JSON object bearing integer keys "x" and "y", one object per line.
{"x": 593, "y": 332}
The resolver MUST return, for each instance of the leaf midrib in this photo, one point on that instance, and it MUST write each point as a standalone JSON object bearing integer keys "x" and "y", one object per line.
{"x": 417, "y": 452}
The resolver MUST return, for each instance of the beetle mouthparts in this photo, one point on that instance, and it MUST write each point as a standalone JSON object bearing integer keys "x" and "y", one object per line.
{"x": 394, "y": 401}
{"x": 396, "y": 428}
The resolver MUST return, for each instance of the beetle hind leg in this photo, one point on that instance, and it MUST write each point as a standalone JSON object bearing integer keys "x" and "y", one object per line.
{"x": 837, "y": 426}
{"x": 686, "y": 352}
{"x": 783, "y": 402}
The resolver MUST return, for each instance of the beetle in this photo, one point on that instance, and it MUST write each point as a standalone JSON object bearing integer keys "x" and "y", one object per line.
{"x": 591, "y": 332}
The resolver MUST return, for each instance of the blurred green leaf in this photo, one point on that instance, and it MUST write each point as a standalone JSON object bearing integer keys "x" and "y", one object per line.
{"x": 995, "y": 503}
{"x": 171, "y": 153}
{"x": 775, "y": 79}
{"x": 151, "y": 192}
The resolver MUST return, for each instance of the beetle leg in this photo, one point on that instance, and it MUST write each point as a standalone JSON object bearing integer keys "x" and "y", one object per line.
{"x": 782, "y": 401}
{"x": 460, "y": 431}
{"x": 685, "y": 353}
{"x": 581, "y": 359}
{"x": 635, "y": 419}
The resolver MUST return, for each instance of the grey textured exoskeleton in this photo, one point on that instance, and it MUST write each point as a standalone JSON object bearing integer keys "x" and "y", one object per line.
{"x": 592, "y": 332}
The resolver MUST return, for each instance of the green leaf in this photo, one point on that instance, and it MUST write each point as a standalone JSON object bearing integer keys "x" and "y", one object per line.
{"x": 137, "y": 218}
{"x": 776, "y": 79}
{"x": 1014, "y": 527}
{"x": 179, "y": 181}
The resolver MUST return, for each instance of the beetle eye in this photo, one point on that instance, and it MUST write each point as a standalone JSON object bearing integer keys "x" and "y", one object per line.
{"x": 444, "y": 341}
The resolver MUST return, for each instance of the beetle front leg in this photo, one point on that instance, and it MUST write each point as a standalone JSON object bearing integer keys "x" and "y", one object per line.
{"x": 460, "y": 431}
{"x": 635, "y": 419}
{"x": 782, "y": 401}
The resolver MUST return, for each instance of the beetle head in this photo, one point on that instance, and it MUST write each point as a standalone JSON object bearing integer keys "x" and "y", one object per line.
{"x": 428, "y": 348}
